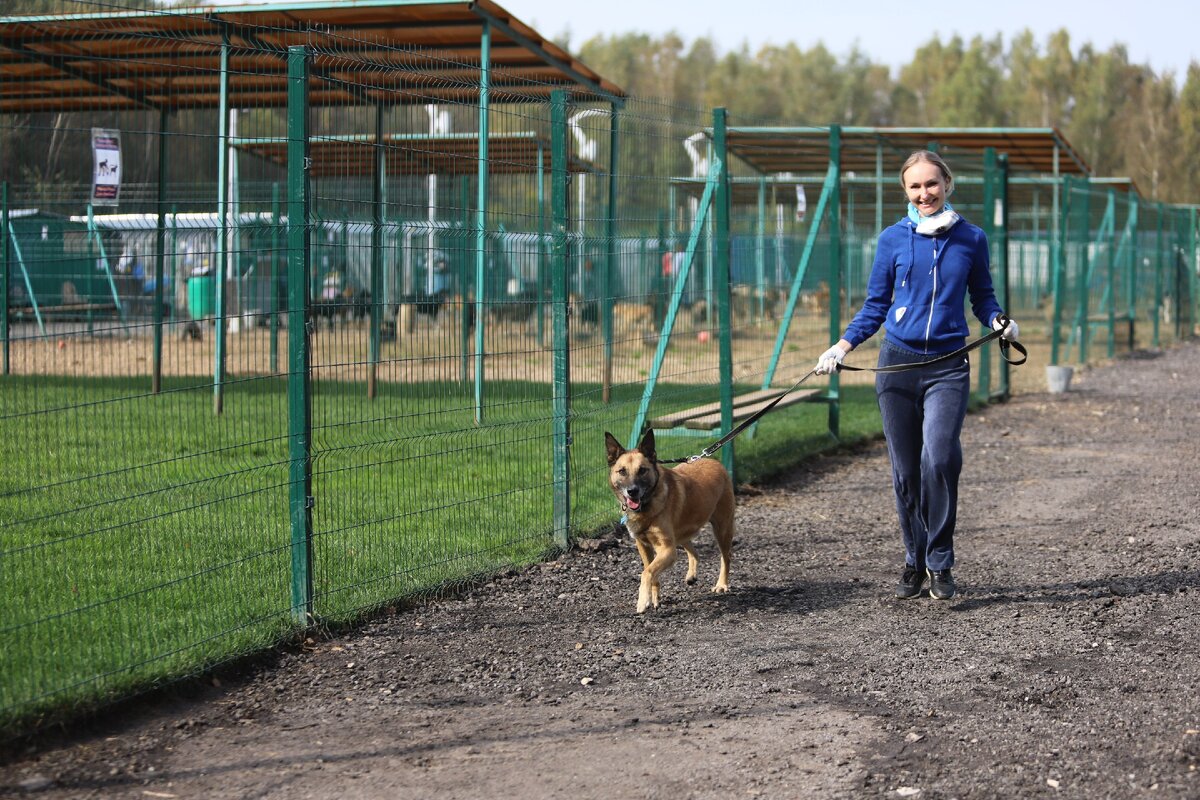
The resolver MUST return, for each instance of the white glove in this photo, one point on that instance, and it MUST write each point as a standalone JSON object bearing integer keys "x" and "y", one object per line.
{"x": 830, "y": 360}
{"x": 1011, "y": 331}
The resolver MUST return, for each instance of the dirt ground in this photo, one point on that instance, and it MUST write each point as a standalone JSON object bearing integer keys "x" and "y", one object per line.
{"x": 1066, "y": 667}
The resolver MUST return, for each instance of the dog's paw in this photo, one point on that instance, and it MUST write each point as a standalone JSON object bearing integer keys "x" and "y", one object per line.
{"x": 689, "y": 580}
{"x": 720, "y": 588}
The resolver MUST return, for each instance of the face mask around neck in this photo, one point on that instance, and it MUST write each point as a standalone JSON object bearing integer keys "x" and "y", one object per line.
{"x": 938, "y": 224}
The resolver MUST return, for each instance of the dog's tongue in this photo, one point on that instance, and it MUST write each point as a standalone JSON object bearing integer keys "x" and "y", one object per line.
{"x": 634, "y": 505}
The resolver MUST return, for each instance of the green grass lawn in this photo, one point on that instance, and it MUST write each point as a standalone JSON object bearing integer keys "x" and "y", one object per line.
{"x": 145, "y": 538}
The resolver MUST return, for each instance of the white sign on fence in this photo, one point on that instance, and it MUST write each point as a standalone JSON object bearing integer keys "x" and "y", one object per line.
{"x": 106, "y": 171}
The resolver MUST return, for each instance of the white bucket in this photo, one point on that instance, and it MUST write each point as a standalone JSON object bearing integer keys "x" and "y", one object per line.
{"x": 1058, "y": 378}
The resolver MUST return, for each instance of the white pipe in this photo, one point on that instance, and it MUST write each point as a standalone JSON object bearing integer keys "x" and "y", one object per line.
{"x": 699, "y": 160}
{"x": 586, "y": 149}
{"x": 439, "y": 124}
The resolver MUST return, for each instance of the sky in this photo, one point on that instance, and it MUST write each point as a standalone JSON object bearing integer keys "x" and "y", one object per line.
{"x": 1162, "y": 33}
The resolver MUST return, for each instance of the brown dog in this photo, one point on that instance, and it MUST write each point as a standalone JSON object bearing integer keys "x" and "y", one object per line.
{"x": 666, "y": 508}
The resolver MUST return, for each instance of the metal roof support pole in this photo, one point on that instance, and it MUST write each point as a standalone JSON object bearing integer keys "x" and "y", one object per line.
{"x": 1058, "y": 250}
{"x": 485, "y": 57}
{"x": 273, "y": 281}
{"x": 299, "y": 242}
{"x": 1085, "y": 274}
{"x": 723, "y": 281}
{"x": 835, "y": 271}
{"x": 989, "y": 228}
{"x": 1034, "y": 298}
{"x": 1110, "y": 280}
{"x": 4, "y": 271}
{"x": 221, "y": 254}
{"x": 376, "y": 279}
{"x": 760, "y": 249}
{"x": 541, "y": 243}
{"x": 610, "y": 261}
{"x": 561, "y": 347}
{"x": 1131, "y": 236}
{"x": 1058, "y": 230}
{"x": 1005, "y": 261}
{"x": 159, "y": 254}
{"x": 1191, "y": 266}
{"x": 1158, "y": 287}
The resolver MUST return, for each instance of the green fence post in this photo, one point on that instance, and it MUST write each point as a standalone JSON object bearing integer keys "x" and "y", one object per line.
{"x": 561, "y": 439}
{"x": 485, "y": 55}
{"x": 610, "y": 261}
{"x": 221, "y": 254}
{"x": 988, "y": 223}
{"x": 380, "y": 175}
{"x": 160, "y": 255}
{"x": 299, "y": 374}
{"x": 1084, "y": 273}
{"x": 1003, "y": 239}
{"x": 835, "y": 271}
{"x": 1059, "y": 255}
{"x": 1193, "y": 214}
{"x": 541, "y": 244}
{"x": 1111, "y": 278}
{"x": 723, "y": 284}
{"x": 465, "y": 306}
{"x": 4, "y": 272}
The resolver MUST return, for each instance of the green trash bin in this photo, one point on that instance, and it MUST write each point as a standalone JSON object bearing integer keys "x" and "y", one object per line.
{"x": 201, "y": 296}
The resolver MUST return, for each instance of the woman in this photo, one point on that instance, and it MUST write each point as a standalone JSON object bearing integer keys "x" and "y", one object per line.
{"x": 925, "y": 266}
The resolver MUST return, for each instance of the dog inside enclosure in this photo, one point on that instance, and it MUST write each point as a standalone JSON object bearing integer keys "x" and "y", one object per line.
{"x": 665, "y": 509}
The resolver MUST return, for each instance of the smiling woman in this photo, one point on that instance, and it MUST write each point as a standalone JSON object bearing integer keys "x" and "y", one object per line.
{"x": 925, "y": 266}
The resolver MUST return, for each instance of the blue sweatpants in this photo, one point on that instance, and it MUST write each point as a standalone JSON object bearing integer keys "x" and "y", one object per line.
{"x": 923, "y": 412}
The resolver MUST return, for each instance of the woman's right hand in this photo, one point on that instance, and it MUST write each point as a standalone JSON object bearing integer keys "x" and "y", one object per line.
{"x": 830, "y": 360}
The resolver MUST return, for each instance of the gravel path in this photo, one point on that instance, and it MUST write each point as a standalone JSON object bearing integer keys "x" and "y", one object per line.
{"x": 1066, "y": 667}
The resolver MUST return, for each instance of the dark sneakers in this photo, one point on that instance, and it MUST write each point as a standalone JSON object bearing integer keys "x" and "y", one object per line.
{"x": 941, "y": 584}
{"x": 912, "y": 580}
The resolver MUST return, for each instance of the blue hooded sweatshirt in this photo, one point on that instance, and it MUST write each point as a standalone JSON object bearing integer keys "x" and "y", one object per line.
{"x": 918, "y": 285}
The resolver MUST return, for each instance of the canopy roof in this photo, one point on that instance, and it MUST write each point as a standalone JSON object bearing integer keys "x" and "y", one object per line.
{"x": 416, "y": 154}
{"x": 806, "y": 150}
{"x": 364, "y": 52}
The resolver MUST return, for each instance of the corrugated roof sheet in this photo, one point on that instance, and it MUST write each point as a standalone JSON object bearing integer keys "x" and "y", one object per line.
{"x": 365, "y": 52}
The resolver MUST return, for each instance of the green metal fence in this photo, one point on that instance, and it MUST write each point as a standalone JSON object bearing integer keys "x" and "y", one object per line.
{"x": 356, "y": 333}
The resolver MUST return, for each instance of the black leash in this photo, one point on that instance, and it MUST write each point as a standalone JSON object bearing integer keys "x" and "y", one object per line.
{"x": 1005, "y": 344}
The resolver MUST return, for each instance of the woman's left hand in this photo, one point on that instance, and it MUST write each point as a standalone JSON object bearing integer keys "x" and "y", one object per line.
{"x": 1010, "y": 328}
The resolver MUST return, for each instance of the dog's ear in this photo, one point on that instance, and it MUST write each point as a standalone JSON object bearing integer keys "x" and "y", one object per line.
{"x": 613, "y": 447}
{"x": 646, "y": 446}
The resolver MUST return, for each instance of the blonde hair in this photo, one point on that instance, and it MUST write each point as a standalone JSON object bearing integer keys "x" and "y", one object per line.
{"x": 929, "y": 157}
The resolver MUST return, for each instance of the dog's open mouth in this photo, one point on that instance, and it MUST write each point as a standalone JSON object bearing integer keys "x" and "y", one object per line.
{"x": 631, "y": 504}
